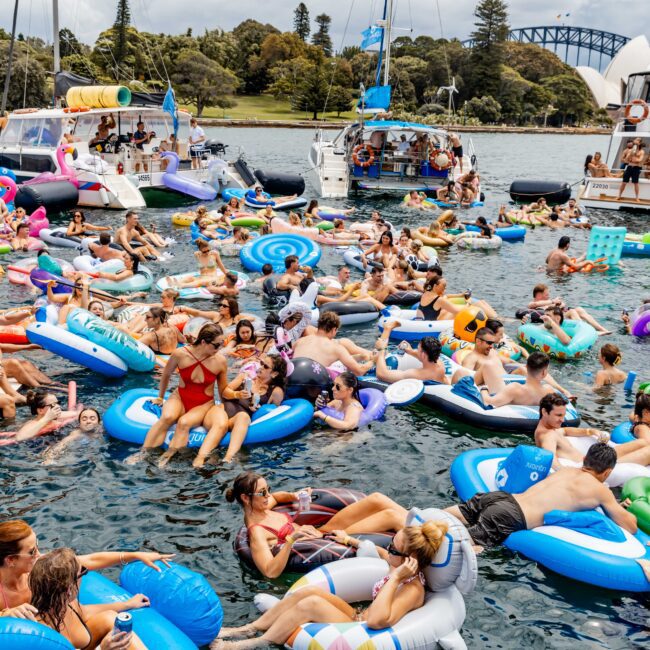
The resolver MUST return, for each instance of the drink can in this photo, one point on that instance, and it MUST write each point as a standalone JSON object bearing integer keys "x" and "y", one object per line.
{"x": 248, "y": 384}
{"x": 123, "y": 623}
{"x": 304, "y": 500}
{"x": 324, "y": 397}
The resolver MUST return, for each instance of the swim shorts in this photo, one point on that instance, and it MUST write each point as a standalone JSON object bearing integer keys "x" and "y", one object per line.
{"x": 492, "y": 516}
{"x": 631, "y": 174}
{"x": 457, "y": 151}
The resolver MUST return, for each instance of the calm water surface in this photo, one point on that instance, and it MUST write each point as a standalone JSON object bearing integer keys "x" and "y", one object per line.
{"x": 90, "y": 500}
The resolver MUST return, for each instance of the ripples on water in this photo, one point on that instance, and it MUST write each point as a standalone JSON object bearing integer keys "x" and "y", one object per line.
{"x": 90, "y": 500}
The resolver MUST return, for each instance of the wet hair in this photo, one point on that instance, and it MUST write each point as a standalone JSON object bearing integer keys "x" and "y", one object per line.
{"x": 549, "y": 402}
{"x": 12, "y": 532}
{"x": 241, "y": 324}
{"x": 642, "y": 403}
{"x": 136, "y": 262}
{"x": 231, "y": 277}
{"x": 159, "y": 313}
{"x": 493, "y": 324}
{"x": 564, "y": 241}
{"x": 539, "y": 288}
{"x": 431, "y": 347}
{"x": 350, "y": 380}
{"x": 36, "y": 399}
{"x": 172, "y": 293}
{"x": 95, "y": 411}
{"x": 233, "y": 305}
{"x": 537, "y": 362}
{"x": 209, "y": 333}
{"x": 271, "y": 323}
{"x": 423, "y": 542}
{"x": 104, "y": 238}
{"x": 600, "y": 457}
{"x": 611, "y": 354}
{"x": 244, "y": 484}
{"x": 289, "y": 260}
{"x": 53, "y": 583}
{"x": 554, "y": 309}
{"x": 267, "y": 269}
{"x": 328, "y": 321}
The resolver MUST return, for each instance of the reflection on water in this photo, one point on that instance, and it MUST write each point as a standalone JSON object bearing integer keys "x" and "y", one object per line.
{"x": 90, "y": 500}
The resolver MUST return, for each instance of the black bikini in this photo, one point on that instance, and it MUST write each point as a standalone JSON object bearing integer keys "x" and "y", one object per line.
{"x": 90, "y": 636}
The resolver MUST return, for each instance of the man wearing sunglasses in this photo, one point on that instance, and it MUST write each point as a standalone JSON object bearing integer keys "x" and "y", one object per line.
{"x": 485, "y": 361}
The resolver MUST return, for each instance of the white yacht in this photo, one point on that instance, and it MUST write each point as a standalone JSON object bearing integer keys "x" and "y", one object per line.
{"x": 381, "y": 154}
{"x": 108, "y": 174}
{"x": 633, "y": 124}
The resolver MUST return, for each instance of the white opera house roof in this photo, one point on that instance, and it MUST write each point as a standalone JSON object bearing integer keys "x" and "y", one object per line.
{"x": 609, "y": 88}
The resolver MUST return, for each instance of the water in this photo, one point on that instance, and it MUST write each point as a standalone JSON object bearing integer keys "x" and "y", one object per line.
{"x": 91, "y": 501}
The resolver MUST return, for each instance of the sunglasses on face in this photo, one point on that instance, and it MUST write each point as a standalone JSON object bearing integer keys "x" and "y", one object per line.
{"x": 265, "y": 365}
{"x": 264, "y": 492}
{"x": 223, "y": 304}
{"x": 51, "y": 404}
{"x": 488, "y": 342}
{"x": 82, "y": 572}
{"x": 391, "y": 550}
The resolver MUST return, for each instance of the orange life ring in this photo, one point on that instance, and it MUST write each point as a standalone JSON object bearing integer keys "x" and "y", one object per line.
{"x": 369, "y": 150}
{"x": 628, "y": 110}
{"x": 437, "y": 152}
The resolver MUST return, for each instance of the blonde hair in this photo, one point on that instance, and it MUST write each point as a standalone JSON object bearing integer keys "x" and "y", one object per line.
{"x": 423, "y": 542}
{"x": 308, "y": 222}
{"x": 446, "y": 217}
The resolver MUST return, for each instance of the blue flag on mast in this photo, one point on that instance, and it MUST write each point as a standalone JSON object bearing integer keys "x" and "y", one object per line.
{"x": 371, "y": 36}
{"x": 169, "y": 106}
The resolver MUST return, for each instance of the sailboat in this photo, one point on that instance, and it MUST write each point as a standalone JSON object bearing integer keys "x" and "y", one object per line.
{"x": 381, "y": 154}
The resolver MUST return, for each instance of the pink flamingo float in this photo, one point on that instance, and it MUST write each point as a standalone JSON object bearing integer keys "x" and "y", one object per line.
{"x": 37, "y": 220}
{"x": 66, "y": 173}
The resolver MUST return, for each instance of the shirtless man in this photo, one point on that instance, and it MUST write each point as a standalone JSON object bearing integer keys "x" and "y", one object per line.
{"x": 427, "y": 353}
{"x": 528, "y": 393}
{"x": 457, "y": 149}
{"x": 102, "y": 251}
{"x": 322, "y": 347}
{"x": 227, "y": 288}
{"x": 490, "y": 517}
{"x": 557, "y": 259}
{"x": 542, "y": 299}
{"x": 485, "y": 361}
{"x": 336, "y": 287}
{"x": 292, "y": 276}
{"x": 379, "y": 287}
{"x": 128, "y": 233}
{"x": 105, "y": 125}
{"x": 551, "y": 435}
{"x": 21, "y": 241}
{"x": 633, "y": 171}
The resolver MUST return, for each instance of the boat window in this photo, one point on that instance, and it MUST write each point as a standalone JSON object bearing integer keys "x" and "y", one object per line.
{"x": 637, "y": 88}
{"x": 11, "y": 134}
{"x": 43, "y": 132}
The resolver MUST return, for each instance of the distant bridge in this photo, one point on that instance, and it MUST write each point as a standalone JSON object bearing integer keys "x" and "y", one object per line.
{"x": 581, "y": 38}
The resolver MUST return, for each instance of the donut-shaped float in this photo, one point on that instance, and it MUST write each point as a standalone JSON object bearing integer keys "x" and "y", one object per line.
{"x": 272, "y": 249}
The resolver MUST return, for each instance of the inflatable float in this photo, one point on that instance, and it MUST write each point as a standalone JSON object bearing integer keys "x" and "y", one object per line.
{"x": 508, "y": 350}
{"x": 273, "y": 249}
{"x": 473, "y": 241}
{"x": 537, "y": 337}
{"x": 196, "y": 293}
{"x": 640, "y": 321}
{"x": 57, "y": 237}
{"x": 510, "y": 233}
{"x": 411, "y": 328}
{"x": 140, "y": 281}
{"x": 131, "y": 415}
{"x": 585, "y": 546}
{"x": 252, "y": 201}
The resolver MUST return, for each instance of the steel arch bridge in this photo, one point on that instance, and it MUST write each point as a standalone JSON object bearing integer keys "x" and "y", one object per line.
{"x": 582, "y": 38}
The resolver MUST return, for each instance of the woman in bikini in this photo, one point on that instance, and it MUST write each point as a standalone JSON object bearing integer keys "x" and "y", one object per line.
{"x": 167, "y": 303}
{"x": 243, "y": 345}
{"x": 160, "y": 337}
{"x": 54, "y": 582}
{"x": 200, "y": 369}
{"x": 68, "y": 301}
{"x": 131, "y": 265}
{"x": 346, "y": 401}
{"x": 268, "y": 528}
{"x": 236, "y": 205}
{"x": 384, "y": 251}
{"x": 640, "y": 426}
{"x": 79, "y": 227}
{"x": 267, "y": 387}
{"x": 435, "y": 304}
{"x": 18, "y": 553}
{"x": 227, "y": 316}
{"x": 209, "y": 262}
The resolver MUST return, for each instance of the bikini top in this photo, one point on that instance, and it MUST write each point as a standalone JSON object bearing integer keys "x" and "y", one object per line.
{"x": 285, "y": 530}
{"x": 380, "y": 583}
{"x": 186, "y": 373}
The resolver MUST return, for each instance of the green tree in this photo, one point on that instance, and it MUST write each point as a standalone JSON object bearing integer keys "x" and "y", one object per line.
{"x": 68, "y": 43}
{"x": 220, "y": 46}
{"x": 28, "y": 79}
{"x": 249, "y": 36}
{"x": 485, "y": 108}
{"x": 513, "y": 89}
{"x": 121, "y": 26}
{"x": 286, "y": 76}
{"x": 571, "y": 98}
{"x": 311, "y": 90}
{"x": 321, "y": 37}
{"x": 80, "y": 64}
{"x": 202, "y": 82}
{"x": 340, "y": 100}
{"x": 534, "y": 62}
{"x": 301, "y": 21}
{"x": 487, "y": 55}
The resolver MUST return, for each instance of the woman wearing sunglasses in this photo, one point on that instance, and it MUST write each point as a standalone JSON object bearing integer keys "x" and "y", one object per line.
{"x": 267, "y": 387}
{"x": 227, "y": 314}
{"x": 18, "y": 553}
{"x": 271, "y": 534}
{"x": 79, "y": 227}
{"x": 44, "y": 405}
{"x": 160, "y": 337}
{"x": 54, "y": 582}
{"x": 346, "y": 401}
{"x": 435, "y": 304}
{"x": 398, "y": 593}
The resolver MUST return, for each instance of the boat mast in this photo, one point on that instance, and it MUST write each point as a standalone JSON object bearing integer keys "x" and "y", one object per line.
{"x": 388, "y": 15}
{"x": 5, "y": 92}
{"x": 55, "y": 29}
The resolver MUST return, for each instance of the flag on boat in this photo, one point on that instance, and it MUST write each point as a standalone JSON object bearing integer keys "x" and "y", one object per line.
{"x": 375, "y": 100}
{"x": 169, "y": 106}
{"x": 371, "y": 36}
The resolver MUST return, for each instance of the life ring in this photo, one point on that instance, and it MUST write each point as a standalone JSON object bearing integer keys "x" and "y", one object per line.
{"x": 433, "y": 157}
{"x": 363, "y": 163}
{"x": 628, "y": 109}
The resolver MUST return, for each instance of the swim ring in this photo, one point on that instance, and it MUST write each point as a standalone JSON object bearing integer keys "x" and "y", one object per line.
{"x": 422, "y": 233}
{"x": 536, "y": 336}
{"x": 509, "y": 233}
{"x": 374, "y": 406}
{"x": 508, "y": 350}
{"x": 474, "y": 241}
{"x": 196, "y": 293}
{"x": 18, "y": 272}
{"x": 273, "y": 249}
{"x": 640, "y": 321}
{"x": 411, "y": 328}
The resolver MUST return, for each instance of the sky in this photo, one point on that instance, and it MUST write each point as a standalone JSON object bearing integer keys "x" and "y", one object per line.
{"x": 87, "y": 18}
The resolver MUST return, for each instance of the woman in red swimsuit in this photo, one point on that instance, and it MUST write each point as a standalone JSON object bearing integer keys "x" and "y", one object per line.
{"x": 200, "y": 368}
{"x": 268, "y": 528}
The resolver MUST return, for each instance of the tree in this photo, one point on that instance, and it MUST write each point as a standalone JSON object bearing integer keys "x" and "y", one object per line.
{"x": 487, "y": 56}
{"x": 220, "y": 46}
{"x": 286, "y": 76}
{"x": 571, "y": 98}
{"x": 81, "y": 65}
{"x": 321, "y": 38}
{"x": 68, "y": 43}
{"x": 202, "y": 82}
{"x": 301, "y": 21}
{"x": 340, "y": 100}
{"x": 311, "y": 90}
{"x": 249, "y": 36}
{"x": 487, "y": 109}
{"x": 120, "y": 26}
{"x": 33, "y": 88}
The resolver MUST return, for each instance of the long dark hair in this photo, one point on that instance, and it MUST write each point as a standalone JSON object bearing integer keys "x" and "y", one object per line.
{"x": 588, "y": 160}
{"x": 244, "y": 484}
{"x": 389, "y": 234}
{"x": 233, "y": 305}
{"x": 209, "y": 333}
{"x": 136, "y": 263}
{"x": 36, "y": 399}
{"x": 312, "y": 204}
{"x": 349, "y": 380}
{"x": 53, "y": 583}
{"x": 280, "y": 368}
{"x": 244, "y": 323}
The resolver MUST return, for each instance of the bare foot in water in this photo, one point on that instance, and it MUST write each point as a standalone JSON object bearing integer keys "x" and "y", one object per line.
{"x": 166, "y": 457}
{"x": 133, "y": 459}
{"x": 237, "y": 632}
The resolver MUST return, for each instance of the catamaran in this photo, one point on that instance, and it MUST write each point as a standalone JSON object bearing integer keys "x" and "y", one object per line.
{"x": 381, "y": 154}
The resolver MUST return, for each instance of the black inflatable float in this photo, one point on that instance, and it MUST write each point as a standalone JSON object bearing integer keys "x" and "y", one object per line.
{"x": 57, "y": 196}
{"x": 279, "y": 183}
{"x": 528, "y": 191}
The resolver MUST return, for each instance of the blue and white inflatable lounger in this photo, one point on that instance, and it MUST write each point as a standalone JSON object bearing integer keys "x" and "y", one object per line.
{"x": 131, "y": 415}
{"x": 585, "y": 546}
